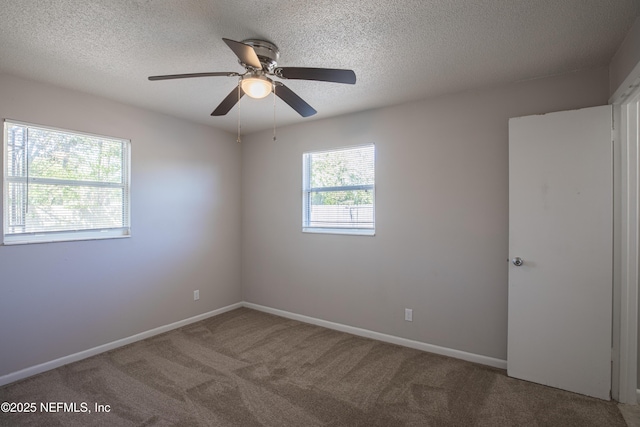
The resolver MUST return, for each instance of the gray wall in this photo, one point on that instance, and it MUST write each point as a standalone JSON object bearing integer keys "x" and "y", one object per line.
{"x": 60, "y": 298}
{"x": 441, "y": 216}
{"x": 626, "y": 58}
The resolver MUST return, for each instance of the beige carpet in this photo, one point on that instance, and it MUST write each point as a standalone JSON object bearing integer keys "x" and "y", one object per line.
{"x": 247, "y": 368}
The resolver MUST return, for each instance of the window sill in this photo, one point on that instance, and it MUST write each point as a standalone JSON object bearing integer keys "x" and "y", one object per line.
{"x": 346, "y": 231}
{"x": 65, "y": 237}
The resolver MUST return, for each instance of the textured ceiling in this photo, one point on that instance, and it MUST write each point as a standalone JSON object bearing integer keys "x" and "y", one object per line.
{"x": 400, "y": 50}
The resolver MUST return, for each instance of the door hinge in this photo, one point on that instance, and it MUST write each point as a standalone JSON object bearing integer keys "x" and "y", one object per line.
{"x": 613, "y": 118}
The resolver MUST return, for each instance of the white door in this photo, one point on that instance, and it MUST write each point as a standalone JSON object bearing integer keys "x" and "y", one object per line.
{"x": 561, "y": 226}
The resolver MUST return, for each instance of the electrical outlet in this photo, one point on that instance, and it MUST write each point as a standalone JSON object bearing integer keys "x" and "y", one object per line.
{"x": 196, "y": 295}
{"x": 408, "y": 315}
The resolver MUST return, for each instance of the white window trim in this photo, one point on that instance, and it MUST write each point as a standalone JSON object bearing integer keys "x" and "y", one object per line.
{"x": 348, "y": 231}
{"x": 306, "y": 191}
{"x": 68, "y": 235}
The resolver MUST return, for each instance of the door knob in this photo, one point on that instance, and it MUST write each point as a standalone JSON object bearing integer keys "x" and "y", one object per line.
{"x": 517, "y": 261}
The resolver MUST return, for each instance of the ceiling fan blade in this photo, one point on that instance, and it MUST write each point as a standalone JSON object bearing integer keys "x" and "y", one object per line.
{"x": 228, "y": 103}
{"x": 319, "y": 74}
{"x": 294, "y": 101}
{"x": 245, "y": 53}
{"x": 185, "y": 76}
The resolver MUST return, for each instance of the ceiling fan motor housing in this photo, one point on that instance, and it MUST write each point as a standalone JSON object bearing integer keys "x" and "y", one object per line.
{"x": 267, "y": 52}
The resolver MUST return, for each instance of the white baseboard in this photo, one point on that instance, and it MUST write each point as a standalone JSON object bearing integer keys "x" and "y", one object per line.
{"x": 37, "y": 369}
{"x": 458, "y": 354}
{"x": 65, "y": 360}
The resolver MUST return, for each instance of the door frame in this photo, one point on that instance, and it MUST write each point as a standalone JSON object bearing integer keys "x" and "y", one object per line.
{"x": 626, "y": 146}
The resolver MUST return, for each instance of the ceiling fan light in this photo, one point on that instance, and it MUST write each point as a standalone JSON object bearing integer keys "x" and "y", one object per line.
{"x": 256, "y": 87}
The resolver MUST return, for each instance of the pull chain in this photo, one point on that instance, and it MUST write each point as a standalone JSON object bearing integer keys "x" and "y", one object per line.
{"x": 274, "y": 112}
{"x": 239, "y": 139}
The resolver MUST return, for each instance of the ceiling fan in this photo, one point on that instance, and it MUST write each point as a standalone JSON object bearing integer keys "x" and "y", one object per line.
{"x": 259, "y": 58}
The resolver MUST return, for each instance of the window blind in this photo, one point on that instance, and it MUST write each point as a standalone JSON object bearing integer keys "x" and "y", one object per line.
{"x": 338, "y": 189}
{"x": 59, "y": 182}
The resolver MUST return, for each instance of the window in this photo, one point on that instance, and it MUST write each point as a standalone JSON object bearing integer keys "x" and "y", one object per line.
{"x": 338, "y": 191}
{"x": 60, "y": 185}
